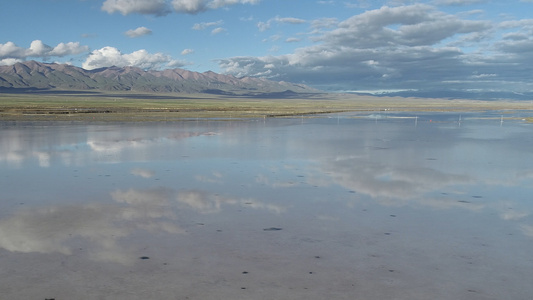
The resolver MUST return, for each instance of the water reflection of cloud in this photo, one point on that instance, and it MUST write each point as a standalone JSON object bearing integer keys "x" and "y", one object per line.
{"x": 117, "y": 143}
{"x": 385, "y": 180}
{"x": 49, "y": 229}
{"x": 18, "y": 145}
{"x": 216, "y": 177}
{"x": 145, "y": 173}
{"x": 527, "y": 230}
{"x": 206, "y": 202}
{"x": 397, "y": 185}
{"x": 150, "y": 204}
{"x": 106, "y": 227}
{"x": 265, "y": 180}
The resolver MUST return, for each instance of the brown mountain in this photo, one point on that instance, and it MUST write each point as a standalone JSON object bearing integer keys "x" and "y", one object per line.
{"x": 44, "y": 76}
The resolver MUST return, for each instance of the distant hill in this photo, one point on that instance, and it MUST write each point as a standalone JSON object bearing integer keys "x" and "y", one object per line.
{"x": 32, "y": 75}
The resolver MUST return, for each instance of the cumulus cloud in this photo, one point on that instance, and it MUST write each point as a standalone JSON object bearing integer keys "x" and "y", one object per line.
{"x": 110, "y": 56}
{"x": 11, "y": 52}
{"x": 9, "y": 61}
{"x": 164, "y": 7}
{"x": 414, "y": 47}
{"x": 137, "y": 32}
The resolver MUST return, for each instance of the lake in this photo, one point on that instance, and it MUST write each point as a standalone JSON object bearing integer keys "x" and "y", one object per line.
{"x": 375, "y": 205}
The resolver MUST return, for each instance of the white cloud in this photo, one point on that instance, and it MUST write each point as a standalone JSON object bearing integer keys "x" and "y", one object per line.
{"x": 137, "y": 32}
{"x": 10, "y": 50}
{"x": 189, "y": 6}
{"x": 187, "y": 51}
{"x": 459, "y": 2}
{"x": 205, "y": 25}
{"x": 9, "y": 61}
{"x": 126, "y": 7}
{"x": 217, "y": 30}
{"x": 292, "y": 40}
{"x": 176, "y": 63}
{"x": 198, "y": 6}
{"x": 263, "y": 26}
{"x": 110, "y": 56}
{"x": 39, "y": 49}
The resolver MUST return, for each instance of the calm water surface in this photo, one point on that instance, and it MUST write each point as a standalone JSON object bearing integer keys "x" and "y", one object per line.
{"x": 375, "y": 206}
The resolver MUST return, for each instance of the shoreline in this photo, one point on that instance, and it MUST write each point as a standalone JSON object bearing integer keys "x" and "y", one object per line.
{"x": 138, "y": 107}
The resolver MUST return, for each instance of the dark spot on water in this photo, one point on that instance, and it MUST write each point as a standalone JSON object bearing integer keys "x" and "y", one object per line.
{"x": 144, "y": 257}
{"x": 394, "y": 216}
{"x": 245, "y": 272}
{"x": 477, "y": 197}
{"x": 200, "y": 224}
{"x": 272, "y": 229}
{"x": 317, "y": 256}
{"x": 463, "y": 201}
{"x": 387, "y": 233}
{"x": 391, "y": 271}
{"x": 310, "y": 272}
{"x": 301, "y": 176}
{"x": 218, "y": 230}
{"x": 243, "y": 288}
{"x": 431, "y": 158}
{"x": 352, "y": 192}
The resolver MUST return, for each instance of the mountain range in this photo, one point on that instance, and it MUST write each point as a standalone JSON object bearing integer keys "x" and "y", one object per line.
{"x": 32, "y": 75}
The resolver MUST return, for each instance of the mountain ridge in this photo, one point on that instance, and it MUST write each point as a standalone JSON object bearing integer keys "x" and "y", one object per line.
{"x": 53, "y": 76}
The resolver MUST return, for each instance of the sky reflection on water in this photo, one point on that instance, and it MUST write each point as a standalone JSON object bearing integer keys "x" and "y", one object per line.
{"x": 351, "y": 206}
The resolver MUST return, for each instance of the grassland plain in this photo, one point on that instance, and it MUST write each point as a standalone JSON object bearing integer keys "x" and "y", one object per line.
{"x": 140, "y": 107}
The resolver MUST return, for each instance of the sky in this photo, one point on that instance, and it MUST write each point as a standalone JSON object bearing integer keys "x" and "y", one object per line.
{"x": 333, "y": 45}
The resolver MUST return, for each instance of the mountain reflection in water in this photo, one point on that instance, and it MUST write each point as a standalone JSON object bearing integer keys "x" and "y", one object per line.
{"x": 402, "y": 206}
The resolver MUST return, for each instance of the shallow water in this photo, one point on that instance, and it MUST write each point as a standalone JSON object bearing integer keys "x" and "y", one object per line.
{"x": 373, "y": 206}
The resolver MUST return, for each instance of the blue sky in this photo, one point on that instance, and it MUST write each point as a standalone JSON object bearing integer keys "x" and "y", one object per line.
{"x": 336, "y": 45}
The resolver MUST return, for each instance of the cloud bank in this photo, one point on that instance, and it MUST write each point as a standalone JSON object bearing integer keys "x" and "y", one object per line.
{"x": 11, "y": 53}
{"x": 110, "y": 56}
{"x": 406, "y": 47}
{"x": 164, "y": 7}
